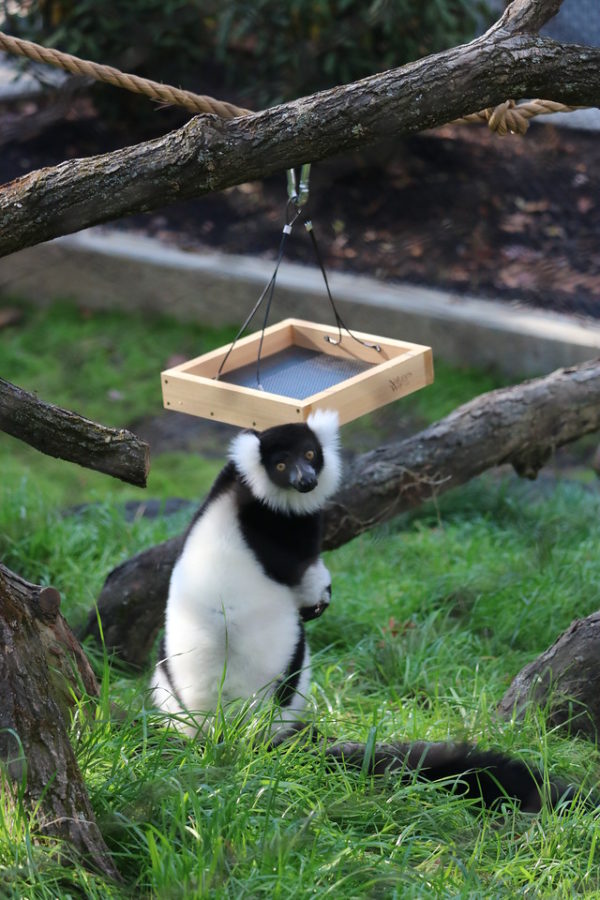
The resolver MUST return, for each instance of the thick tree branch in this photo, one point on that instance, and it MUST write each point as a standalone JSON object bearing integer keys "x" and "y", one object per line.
{"x": 67, "y": 435}
{"x": 210, "y": 154}
{"x": 519, "y": 425}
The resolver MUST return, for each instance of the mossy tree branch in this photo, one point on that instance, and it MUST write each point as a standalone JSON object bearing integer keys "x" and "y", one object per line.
{"x": 66, "y": 435}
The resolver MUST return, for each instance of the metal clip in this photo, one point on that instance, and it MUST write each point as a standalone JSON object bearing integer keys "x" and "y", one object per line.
{"x": 298, "y": 193}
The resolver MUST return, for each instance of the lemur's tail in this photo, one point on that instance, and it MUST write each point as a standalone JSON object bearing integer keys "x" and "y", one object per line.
{"x": 489, "y": 776}
{"x": 486, "y": 775}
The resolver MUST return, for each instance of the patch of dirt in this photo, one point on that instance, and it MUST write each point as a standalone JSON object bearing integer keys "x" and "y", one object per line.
{"x": 514, "y": 218}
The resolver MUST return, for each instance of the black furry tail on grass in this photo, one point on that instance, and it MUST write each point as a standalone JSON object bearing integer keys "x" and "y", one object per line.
{"x": 489, "y": 776}
{"x": 486, "y": 775}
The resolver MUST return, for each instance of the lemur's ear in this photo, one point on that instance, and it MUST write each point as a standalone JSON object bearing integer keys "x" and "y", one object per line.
{"x": 326, "y": 425}
{"x": 244, "y": 452}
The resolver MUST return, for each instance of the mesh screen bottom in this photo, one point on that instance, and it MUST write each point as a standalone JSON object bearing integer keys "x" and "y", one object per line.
{"x": 297, "y": 372}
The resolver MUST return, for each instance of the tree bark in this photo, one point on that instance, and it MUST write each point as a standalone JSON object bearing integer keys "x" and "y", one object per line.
{"x": 520, "y": 425}
{"x": 527, "y": 15}
{"x": 41, "y": 664}
{"x": 210, "y": 154}
{"x": 565, "y": 680}
{"x": 67, "y": 435}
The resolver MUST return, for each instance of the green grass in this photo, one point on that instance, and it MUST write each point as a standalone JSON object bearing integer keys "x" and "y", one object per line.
{"x": 431, "y": 617}
{"x": 104, "y": 365}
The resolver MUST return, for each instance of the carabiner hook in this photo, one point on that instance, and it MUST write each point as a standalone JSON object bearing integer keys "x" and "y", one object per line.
{"x": 298, "y": 193}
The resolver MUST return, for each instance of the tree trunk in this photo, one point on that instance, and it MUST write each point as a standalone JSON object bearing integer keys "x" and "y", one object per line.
{"x": 67, "y": 435}
{"x": 209, "y": 154}
{"x": 521, "y": 425}
{"x": 565, "y": 680}
{"x": 41, "y": 664}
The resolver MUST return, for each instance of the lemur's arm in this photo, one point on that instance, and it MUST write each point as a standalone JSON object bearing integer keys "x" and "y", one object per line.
{"x": 313, "y": 594}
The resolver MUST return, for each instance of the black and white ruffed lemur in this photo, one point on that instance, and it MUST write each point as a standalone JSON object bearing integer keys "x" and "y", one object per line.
{"x": 248, "y": 576}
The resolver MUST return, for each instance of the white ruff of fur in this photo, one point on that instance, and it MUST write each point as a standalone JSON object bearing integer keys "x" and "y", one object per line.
{"x": 244, "y": 451}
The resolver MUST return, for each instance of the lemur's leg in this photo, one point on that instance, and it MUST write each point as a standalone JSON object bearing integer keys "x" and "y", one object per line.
{"x": 313, "y": 594}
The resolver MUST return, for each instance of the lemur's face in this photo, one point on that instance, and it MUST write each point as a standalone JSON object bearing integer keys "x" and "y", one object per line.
{"x": 292, "y": 457}
{"x": 291, "y": 468}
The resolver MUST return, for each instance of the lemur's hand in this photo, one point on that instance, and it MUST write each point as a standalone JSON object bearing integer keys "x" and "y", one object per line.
{"x": 313, "y": 612}
{"x": 313, "y": 594}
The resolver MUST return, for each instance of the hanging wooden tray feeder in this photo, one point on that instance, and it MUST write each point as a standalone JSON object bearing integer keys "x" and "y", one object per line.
{"x": 282, "y": 373}
{"x": 303, "y": 366}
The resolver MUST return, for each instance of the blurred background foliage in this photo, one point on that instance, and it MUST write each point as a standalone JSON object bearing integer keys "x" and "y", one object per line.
{"x": 262, "y": 52}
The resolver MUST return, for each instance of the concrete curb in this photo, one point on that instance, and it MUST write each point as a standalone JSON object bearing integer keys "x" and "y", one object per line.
{"x": 107, "y": 269}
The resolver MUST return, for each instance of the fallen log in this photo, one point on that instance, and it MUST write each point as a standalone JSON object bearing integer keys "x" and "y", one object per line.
{"x": 42, "y": 668}
{"x": 565, "y": 680}
{"x": 67, "y": 435}
{"x": 521, "y": 425}
{"x": 132, "y": 602}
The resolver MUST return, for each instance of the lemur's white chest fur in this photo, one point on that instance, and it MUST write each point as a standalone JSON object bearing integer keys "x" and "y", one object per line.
{"x": 231, "y": 630}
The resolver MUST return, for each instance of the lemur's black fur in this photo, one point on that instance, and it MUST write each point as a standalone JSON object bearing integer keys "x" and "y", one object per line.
{"x": 285, "y": 546}
{"x": 489, "y": 777}
{"x": 288, "y": 685}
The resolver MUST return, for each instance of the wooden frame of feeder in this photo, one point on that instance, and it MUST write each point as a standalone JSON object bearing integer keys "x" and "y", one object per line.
{"x": 398, "y": 369}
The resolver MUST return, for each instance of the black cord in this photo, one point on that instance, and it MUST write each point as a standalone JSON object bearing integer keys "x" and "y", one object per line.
{"x": 269, "y": 288}
{"x": 338, "y": 319}
{"x": 269, "y": 291}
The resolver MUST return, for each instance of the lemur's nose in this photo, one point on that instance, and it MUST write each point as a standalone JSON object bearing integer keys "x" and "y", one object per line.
{"x": 303, "y": 477}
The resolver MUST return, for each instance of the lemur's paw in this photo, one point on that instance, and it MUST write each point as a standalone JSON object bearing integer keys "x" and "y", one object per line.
{"x": 313, "y": 612}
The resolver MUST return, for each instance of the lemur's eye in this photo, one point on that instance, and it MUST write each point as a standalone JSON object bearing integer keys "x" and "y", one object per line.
{"x": 280, "y": 467}
{"x": 310, "y": 455}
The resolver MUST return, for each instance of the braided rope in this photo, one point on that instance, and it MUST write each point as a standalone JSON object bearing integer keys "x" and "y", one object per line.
{"x": 164, "y": 93}
{"x": 506, "y": 118}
